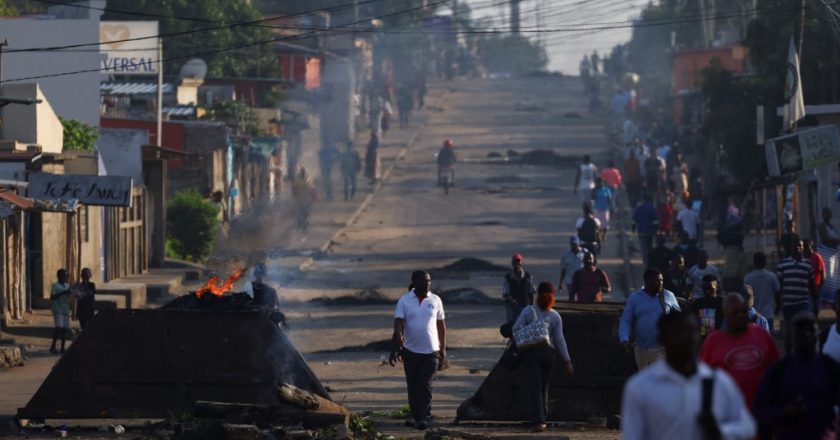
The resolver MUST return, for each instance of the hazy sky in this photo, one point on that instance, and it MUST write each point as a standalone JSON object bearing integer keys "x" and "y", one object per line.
{"x": 566, "y": 48}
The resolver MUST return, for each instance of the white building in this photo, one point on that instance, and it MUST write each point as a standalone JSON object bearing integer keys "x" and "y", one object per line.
{"x": 71, "y": 96}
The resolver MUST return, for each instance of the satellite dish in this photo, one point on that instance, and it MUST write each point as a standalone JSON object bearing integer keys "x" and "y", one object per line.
{"x": 195, "y": 68}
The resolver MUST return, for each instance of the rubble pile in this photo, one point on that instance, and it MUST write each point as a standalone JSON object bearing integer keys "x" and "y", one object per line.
{"x": 232, "y": 302}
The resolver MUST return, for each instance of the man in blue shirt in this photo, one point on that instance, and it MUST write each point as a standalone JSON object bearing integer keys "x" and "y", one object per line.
{"x": 641, "y": 314}
{"x": 646, "y": 223}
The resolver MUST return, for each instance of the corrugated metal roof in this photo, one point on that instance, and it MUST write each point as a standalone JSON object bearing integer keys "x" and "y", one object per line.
{"x": 179, "y": 111}
{"x": 132, "y": 88}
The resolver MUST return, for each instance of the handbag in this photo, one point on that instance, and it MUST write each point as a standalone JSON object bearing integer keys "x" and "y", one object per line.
{"x": 532, "y": 334}
{"x": 511, "y": 358}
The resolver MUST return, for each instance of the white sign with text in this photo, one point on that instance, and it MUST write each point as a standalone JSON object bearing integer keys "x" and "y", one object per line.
{"x": 126, "y": 48}
{"x": 89, "y": 190}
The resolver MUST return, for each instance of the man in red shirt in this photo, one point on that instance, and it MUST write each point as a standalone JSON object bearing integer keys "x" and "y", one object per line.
{"x": 589, "y": 283}
{"x": 744, "y": 350}
{"x": 818, "y": 263}
{"x": 612, "y": 178}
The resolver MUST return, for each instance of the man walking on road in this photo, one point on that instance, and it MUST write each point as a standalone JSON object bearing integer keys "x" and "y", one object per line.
{"x": 590, "y": 283}
{"x": 646, "y": 222}
{"x": 633, "y": 179}
{"x": 641, "y": 313}
{"x": 585, "y": 179}
{"x": 419, "y": 341}
{"x": 795, "y": 273}
{"x": 571, "y": 262}
{"x": 612, "y": 179}
{"x": 742, "y": 349}
{"x": 765, "y": 287}
{"x": 680, "y": 397}
{"x": 351, "y": 165}
{"x": 518, "y": 289}
{"x": 697, "y": 272}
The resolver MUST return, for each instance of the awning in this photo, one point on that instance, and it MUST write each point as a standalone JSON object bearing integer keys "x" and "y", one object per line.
{"x": 156, "y": 152}
{"x": 26, "y": 204}
{"x": 133, "y": 88}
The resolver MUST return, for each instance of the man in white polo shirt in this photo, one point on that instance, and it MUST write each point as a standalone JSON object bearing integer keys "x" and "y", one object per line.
{"x": 419, "y": 341}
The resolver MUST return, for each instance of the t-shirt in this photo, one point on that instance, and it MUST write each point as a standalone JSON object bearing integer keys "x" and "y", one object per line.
{"x": 689, "y": 219}
{"x": 632, "y": 173}
{"x": 586, "y": 285}
{"x": 60, "y": 305}
{"x": 602, "y": 197}
{"x": 612, "y": 177}
{"x": 587, "y": 176}
{"x": 764, "y": 284}
{"x": 794, "y": 276}
{"x": 710, "y": 312}
{"x": 571, "y": 262}
{"x": 695, "y": 279}
{"x": 582, "y": 232}
{"x": 745, "y": 357}
{"x": 818, "y": 264}
{"x": 421, "y": 335}
{"x": 645, "y": 218}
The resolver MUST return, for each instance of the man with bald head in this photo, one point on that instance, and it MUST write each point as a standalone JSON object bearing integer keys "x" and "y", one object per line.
{"x": 743, "y": 349}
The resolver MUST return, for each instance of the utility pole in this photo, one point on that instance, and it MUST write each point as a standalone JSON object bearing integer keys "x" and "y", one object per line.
{"x": 3, "y": 44}
{"x": 160, "y": 94}
{"x": 514, "y": 16}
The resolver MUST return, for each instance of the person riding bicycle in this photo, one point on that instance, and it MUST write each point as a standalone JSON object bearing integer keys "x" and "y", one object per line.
{"x": 445, "y": 160}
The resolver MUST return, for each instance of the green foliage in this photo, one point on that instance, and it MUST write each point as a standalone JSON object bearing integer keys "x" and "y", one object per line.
{"x": 363, "y": 428}
{"x": 78, "y": 135}
{"x": 729, "y": 121}
{"x": 8, "y": 9}
{"x": 256, "y": 60}
{"x": 236, "y": 115}
{"x": 513, "y": 54}
{"x": 192, "y": 222}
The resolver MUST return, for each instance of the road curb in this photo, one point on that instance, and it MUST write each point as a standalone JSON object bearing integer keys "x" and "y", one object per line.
{"x": 306, "y": 264}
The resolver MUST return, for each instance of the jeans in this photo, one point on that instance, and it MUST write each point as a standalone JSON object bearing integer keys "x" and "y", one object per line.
{"x": 512, "y": 310}
{"x": 788, "y": 312}
{"x": 538, "y": 364}
{"x": 645, "y": 245}
{"x": 419, "y": 372}
{"x": 349, "y": 187}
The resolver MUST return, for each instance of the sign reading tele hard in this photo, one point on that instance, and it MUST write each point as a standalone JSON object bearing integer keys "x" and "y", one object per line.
{"x": 89, "y": 190}
{"x": 129, "y": 47}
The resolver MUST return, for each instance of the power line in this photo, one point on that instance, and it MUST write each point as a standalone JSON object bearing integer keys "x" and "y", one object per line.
{"x": 215, "y": 51}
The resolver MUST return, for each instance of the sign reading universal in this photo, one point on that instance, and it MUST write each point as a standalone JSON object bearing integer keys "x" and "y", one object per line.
{"x": 129, "y": 47}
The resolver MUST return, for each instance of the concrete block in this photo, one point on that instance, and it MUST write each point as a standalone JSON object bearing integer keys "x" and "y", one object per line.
{"x": 134, "y": 293}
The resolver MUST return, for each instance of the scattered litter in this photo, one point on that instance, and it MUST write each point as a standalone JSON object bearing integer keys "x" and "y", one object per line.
{"x": 505, "y": 179}
{"x": 488, "y": 223}
{"x": 474, "y": 371}
{"x": 369, "y": 296}
{"x": 465, "y": 295}
{"x": 470, "y": 264}
{"x": 119, "y": 429}
{"x": 383, "y": 346}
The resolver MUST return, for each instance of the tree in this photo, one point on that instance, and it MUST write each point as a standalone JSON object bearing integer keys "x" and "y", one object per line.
{"x": 78, "y": 135}
{"x": 192, "y": 222}
{"x": 237, "y": 115}
{"x": 513, "y": 54}
{"x": 8, "y": 9}
{"x": 255, "y": 60}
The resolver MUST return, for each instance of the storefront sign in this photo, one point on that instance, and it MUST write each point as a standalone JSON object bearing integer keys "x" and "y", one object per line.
{"x": 804, "y": 150}
{"x": 134, "y": 57}
{"x": 89, "y": 190}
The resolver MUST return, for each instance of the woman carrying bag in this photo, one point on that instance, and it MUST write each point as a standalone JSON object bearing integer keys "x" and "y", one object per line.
{"x": 538, "y": 333}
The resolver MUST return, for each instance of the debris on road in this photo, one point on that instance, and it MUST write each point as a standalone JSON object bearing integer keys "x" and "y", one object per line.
{"x": 369, "y": 296}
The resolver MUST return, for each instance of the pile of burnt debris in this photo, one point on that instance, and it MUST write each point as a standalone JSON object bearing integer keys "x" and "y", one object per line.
{"x": 299, "y": 415}
{"x": 231, "y": 302}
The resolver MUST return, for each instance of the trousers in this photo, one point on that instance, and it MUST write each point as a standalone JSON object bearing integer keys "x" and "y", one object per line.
{"x": 538, "y": 363}
{"x": 419, "y": 373}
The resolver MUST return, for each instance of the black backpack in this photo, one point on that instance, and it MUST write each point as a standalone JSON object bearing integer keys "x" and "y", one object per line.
{"x": 589, "y": 230}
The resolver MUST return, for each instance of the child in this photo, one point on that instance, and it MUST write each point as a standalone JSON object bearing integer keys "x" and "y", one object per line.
{"x": 86, "y": 292}
{"x": 60, "y": 303}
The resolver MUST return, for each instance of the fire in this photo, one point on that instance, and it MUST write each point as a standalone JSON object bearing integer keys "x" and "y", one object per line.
{"x": 213, "y": 286}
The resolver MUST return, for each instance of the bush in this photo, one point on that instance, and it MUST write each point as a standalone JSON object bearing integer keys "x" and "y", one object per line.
{"x": 78, "y": 135}
{"x": 192, "y": 222}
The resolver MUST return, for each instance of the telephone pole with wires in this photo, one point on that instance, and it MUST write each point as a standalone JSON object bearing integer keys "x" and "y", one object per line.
{"x": 514, "y": 17}
{"x": 3, "y": 44}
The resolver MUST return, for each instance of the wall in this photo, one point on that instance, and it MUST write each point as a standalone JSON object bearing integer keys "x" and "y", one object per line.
{"x": 31, "y": 124}
{"x": 205, "y": 143}
{"x": 72, "y": 96}
{"x": 89, "y": 218}
{"x": 53, "y": 252}
{"x": 120, "y": 152}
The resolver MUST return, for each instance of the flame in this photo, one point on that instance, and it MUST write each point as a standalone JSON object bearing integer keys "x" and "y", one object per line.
{"x": 213, "y": 286}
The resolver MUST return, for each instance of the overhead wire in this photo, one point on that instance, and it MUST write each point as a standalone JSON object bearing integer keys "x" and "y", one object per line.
{"x": 211, "y": 52}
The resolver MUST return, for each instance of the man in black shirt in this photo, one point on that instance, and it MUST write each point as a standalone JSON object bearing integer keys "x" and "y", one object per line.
{"x": 709, "y": 307}
{"x": 266, "y": 297}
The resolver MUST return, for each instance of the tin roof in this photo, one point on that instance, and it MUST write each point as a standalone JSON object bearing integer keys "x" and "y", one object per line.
{"x": 133, "y": 88}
